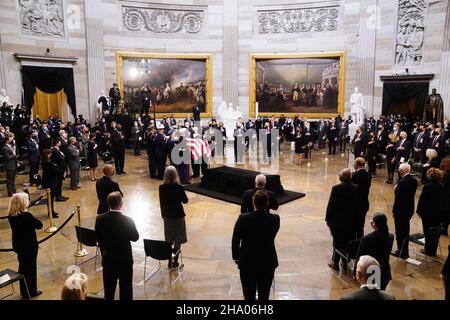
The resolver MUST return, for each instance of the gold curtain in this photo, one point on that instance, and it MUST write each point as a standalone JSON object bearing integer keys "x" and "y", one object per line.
{"x": 47, "y": 104}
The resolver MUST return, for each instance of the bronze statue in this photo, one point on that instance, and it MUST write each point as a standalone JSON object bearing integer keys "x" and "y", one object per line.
{"x": 434, "y": 108}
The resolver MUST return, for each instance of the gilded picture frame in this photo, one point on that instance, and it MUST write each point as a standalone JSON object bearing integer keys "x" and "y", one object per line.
{"x": 123, "y": 56}
{"x": 338, "y": 56}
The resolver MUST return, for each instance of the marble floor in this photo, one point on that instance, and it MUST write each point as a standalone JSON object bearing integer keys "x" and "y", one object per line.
{"x": 303, "y": 242}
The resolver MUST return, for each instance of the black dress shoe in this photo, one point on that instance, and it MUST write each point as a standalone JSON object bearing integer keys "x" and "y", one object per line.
{"x": 60, "y": 199}
{"x": 396, "y": 253}
{"x": 37, "y": 293}
{"x": 55, "y": 215}
{"x": 123, "y": 172}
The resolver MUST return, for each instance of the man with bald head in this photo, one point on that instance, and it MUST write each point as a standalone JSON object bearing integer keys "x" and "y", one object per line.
{"x": 104, "y": 186}
{"x": 342, "y": 214}
{"x": 247, "y": 198}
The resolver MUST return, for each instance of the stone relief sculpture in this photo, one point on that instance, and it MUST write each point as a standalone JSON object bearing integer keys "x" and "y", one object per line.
{"x": 43, "y": 18}
{"x": 162, "y": 20}
{"x": 298, "y": 20}
{"x": 410, "y": 32}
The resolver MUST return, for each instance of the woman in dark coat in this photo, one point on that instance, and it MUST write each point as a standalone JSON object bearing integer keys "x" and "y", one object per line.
{"x": 390, "y": 158}
{"x": 50, "y": 174}
{"x": 372, "y": 149}
{"x": 93, "y": 156}
{"x": 445, "y": 167}
{"x": 430, "y": 207}
{"x": 24, "y": 242}
{"x": 299, "y": 141}
{"x": 171, "y": 199}
{"x": 378, "y": 245}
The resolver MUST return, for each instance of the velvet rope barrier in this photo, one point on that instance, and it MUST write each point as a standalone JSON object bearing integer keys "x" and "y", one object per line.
{"x": 32, "y": 203}
{"x": 49, "y": 236}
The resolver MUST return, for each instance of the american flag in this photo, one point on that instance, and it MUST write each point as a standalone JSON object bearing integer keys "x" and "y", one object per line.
{"x": 198, "y": 147}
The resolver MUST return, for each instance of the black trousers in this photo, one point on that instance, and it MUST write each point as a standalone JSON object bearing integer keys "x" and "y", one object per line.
{"x": 161, "y": 166}
{"x": 11, "y": 181}
{"x": 34, "y": 169}
{"x": 58, "y": 189}
{"x": 112, "y": 273}
{"x": 28, "y": 268}
{"x": 401, "y": 235}
{"x": 119, "y": 160}
{"x": 137, "y": 147}
{"x": 332, "y": 148}
{"x": 430, "y": 246}
{"x": 256, "y": 279}
{"x": 372, "y": 164}
{"x": 447, "y": 289}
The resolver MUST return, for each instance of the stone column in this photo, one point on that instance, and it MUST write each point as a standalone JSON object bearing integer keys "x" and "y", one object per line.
{"x": 230, "y": 52}
{"x": 365, "y": 74}
{"x": 94, "y": 52}
{"x": 444, "y": 81}
{"x": 2, "y": 66}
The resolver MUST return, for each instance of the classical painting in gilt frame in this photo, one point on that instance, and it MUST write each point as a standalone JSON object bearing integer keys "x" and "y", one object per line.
{"x": 174, "y": 83}
{"x": 309, "y": 84}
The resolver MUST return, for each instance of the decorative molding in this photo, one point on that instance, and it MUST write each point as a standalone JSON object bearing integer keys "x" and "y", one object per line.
{"x": 162, "y": 20}
{"x": 408, "y": 78}
{"x": 42, "y": 18}
{"x": 410, "y": 32}
{"x": 44, "y": 58}
{"x": 298, "y": 19}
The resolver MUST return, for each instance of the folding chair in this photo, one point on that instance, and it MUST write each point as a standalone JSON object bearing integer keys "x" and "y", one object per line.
{"x": 88, "y": 238}
{"x": 433, "y": 235}
{"x": 348, "y": 254}
{"x": 13, "y": 277}
{"x": 161, "y": 251}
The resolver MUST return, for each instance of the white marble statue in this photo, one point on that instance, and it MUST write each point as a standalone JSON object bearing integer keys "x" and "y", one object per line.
{"x": 229, "y": 116}
{"x": 4, "y": 97}
{"x": 357, "y": 109}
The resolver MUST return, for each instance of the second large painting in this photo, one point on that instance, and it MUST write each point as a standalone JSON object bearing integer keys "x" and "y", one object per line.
{"x": 167, "y": 84}
{"x": 308, "y": 84}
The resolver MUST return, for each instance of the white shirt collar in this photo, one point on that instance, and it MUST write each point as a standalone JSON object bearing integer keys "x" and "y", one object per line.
{"x": 370, "y": 286}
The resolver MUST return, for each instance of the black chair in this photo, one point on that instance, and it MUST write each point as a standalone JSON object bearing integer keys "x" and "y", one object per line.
{"x": 13, "y": 277}
{"x": 161, "y": 251}
{"x": 88, "y": 238}
{"x": 433, "y": 235}
{"x": 348, "y": 255}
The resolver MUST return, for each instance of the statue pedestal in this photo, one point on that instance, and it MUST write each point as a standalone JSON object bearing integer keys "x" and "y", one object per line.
{"x": 352, "y": 129}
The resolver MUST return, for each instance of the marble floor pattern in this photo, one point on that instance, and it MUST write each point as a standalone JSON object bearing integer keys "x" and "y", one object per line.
{"x": 303, "y": 242}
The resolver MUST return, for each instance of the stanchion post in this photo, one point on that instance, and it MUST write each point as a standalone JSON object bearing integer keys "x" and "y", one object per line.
{"x": 81, "y": 252}
{"x": 51, "y": 228}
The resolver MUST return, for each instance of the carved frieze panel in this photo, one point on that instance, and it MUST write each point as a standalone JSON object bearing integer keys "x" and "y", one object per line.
{"x": 297, "y": 20}
{"x": 410, "y": 32}
{"x": 159, "y": 20}
{"x": 43, "y": 18}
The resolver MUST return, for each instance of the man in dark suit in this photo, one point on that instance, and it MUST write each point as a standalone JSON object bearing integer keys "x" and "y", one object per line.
{"x": 342, "y": 212}
{"x": 360, "y": 141}
{"x": 114, "y": 232}
{"x": 445, "y": 276}
{"x": 378, "y": 245}
{"x": 438, "y": 143}
{"x": 366, "y": 275}
{"x": 402, "y": 148}
{"x": 58, "y": 158}
{"x": 118, "y": 147}
{"x": 160, "y": 152}
{"x": 363, "y": 180}
{"x": 32, "y": 145}
{"x": 420, "y": 144}
{"x": 247, "y": 198}
{"x": 9, "y": 152}
{"x": 253, "y": 248}
{"x": 104, "y": 186}
{"x": 403, "y": 208}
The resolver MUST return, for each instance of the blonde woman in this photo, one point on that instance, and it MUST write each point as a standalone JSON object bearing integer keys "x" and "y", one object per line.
{"x": 24, "y": 241}
{"x": 75, "y": 287}
{"x": 171, "y": 199}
